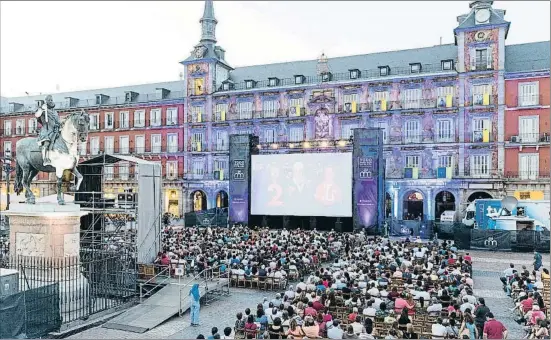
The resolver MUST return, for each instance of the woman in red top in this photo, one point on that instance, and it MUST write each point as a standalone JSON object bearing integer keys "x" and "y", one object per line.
{"x": 250, "y": 328}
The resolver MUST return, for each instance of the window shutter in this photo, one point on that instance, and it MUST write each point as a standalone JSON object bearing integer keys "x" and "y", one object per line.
{"x": 473, "y": 58}
{"x": 489, "y": 58}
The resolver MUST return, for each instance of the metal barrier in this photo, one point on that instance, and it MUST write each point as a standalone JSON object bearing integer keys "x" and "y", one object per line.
{"x": 206, "y": 274}
{"x": 498, "y": 240}
{"x": 153, "y": 282}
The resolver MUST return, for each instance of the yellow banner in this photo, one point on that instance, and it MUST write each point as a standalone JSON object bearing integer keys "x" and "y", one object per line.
{"x": 223, "y": 115}
{"x": 221, "y": 174}
{"x": 486, "y": 99}
{"x": 449, "y": 101}
{"x": 383, "y": 105}
{"x": 297, "y": 110}
{"x": 529, "y": 195}
{"x": 354, "y": 107}
{"x": 485, "y": 136}
{"x": 198, "y": 146}
{"x": 199, "y": 117}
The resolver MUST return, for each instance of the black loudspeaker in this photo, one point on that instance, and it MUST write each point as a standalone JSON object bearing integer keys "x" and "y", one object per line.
{"x": 338, "y": 226}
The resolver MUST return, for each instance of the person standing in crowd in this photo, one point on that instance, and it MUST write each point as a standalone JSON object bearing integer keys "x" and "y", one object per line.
{"x": 494, "y": 329}
{"x": 537, "y": 261}
{"x": 480, "y": 315}
{"x": 195, "y": 305}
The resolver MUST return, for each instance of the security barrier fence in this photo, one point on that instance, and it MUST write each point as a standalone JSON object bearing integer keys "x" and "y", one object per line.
{"x": 30, "y": 313}
{"x": 99, "y": 280}
{"x": 498, "y": 240}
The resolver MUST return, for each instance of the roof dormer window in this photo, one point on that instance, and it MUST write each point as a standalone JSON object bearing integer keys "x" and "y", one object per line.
{"x": 354, "y": 73}
{"x": 384, "y": 71}
{"x": 447, "y": 65}
{"x": 226, "y": 86}
{"x": 326, "y": 76}
{"x": 273, "y": 81}
{"x": 249, "y": 84}
{"x": 415, "y": 67}
{"x": 299, "y": 79}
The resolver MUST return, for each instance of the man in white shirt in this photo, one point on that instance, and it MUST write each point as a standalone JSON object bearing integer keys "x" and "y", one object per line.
{"x": 435, "y": 307}
{"x": 466, "y": 305}
{"x": 438, "y": 330}
{"x": 373, "y": 291}
{"x": 334, "y": 331}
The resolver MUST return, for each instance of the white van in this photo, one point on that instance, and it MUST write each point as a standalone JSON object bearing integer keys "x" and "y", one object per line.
{"x": 448, "y": 216}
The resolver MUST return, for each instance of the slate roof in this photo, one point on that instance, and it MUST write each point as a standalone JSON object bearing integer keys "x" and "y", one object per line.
{"x": 496, "y": 18}
{"x": 146, "y": 92}
{"x": 522, "y": 57}
{"x": 528, "y": 57}
{"x": 395, "y": 59}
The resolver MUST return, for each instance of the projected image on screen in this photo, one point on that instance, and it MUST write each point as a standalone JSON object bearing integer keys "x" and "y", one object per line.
{"x": 302, "y": 184}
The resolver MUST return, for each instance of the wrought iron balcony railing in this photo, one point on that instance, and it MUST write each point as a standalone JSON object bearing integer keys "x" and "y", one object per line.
{"x": 529, "y": 138}
{"x": 130, "y": 150}
{"x": 528, "y": 175}
{"x": 483, "y": 100}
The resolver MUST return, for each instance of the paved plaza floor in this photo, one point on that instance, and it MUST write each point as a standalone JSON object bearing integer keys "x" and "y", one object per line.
{"x": 487, "y": 267}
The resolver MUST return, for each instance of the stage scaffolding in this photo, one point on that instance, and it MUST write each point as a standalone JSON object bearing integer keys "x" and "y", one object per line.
{"x": 123, "y": 197}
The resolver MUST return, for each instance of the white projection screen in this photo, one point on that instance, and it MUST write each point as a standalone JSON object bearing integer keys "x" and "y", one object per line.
{"x": 316, "y": 184}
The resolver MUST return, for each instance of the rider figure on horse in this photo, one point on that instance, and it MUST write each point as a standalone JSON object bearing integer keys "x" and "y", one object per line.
{"x": 49, "y": 131}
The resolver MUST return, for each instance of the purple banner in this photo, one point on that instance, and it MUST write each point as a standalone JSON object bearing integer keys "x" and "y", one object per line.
{"x": 239, "y": 209}
{"x": 365, "y": 190}
{"x": 365, "y": 195}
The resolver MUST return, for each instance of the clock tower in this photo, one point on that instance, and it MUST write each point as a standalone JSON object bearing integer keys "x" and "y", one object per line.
{"x": 206, "y": 67}
{"x": 480, "y": 40}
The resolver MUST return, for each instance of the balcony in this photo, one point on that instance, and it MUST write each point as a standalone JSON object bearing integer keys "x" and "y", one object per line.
{"x": 529, "y": 101}
{"x": 215, "y": 175}
{"x": 222, "y": 147}
{"x": 482, "y": 65}
{"x": 197, "y": 147}
{"x": 529, "y": 138}
{"x": 421, "y": 139}
{"x": 483, "y": 136}
{"x": 483, "y": 100}
{"x": 420, "y": 173}
{"x": 528, "y": 175}
{"x": 132, "y": 150}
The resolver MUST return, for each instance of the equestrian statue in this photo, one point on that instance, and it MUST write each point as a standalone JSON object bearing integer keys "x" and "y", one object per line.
{"x": 55, "y": 149}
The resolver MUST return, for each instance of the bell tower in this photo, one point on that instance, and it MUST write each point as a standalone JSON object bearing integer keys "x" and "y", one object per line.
{"x": 206, "y": 67}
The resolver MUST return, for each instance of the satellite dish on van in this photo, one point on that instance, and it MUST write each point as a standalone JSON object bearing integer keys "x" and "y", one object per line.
{"x": 509, "y": 203}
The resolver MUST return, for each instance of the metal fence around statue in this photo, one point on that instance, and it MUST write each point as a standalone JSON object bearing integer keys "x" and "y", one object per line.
{"x": 102, "y": 279}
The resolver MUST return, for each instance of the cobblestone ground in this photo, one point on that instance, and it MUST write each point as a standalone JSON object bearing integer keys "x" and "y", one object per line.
{"x": 220, "y": 313}
{"x": 487, "y": 268}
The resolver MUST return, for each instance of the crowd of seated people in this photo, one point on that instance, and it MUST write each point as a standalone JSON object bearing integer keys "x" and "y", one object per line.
{"x": 249, "y": 254}
{"x": 530, "y": 293}
{"x": 378, "y": 289}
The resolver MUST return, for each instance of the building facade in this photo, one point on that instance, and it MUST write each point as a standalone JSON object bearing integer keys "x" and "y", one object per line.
{"x": 527, "y": 133}
{"x": 144, "y": 121}
{"x": 449, "y": 114}
{"x": 443, "y": 110}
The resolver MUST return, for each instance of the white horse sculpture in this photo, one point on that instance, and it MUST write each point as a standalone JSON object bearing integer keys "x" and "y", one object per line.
{"x": 64, "y": 156}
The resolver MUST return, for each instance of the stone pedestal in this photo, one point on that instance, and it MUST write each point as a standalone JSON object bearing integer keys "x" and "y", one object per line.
{"x": 45, "y": 247}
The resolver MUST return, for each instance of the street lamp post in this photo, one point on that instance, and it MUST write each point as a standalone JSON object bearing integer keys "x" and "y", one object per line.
{"x": 8, "y": 169}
